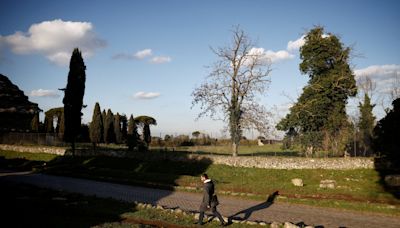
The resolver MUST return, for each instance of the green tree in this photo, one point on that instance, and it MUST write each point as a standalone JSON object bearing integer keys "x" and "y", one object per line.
{"x": 145, "y": 122}
{"x": 109, "y": 136}
{"x": 366, "y": 124}
{"x": 104, "y": 117}
{"x": 96, "y": 126}
{"x": 230, "y": 92}
{"x": 132, "y": 136}
{"x": 319, "y": 115}
{"x": 73, "y": 97}
{"x": 117, "y": 128}
{"x": 124, "y": 129}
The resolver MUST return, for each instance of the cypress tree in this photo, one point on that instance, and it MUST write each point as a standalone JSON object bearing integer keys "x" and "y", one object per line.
{"x": 124, "y": 130}
{"x": 73, "y": 97}
{"x": 117, "y": 129}
{"x": 109, "y": 136}
{"x": 96, "y": 126}
{"x": 366, "y": 124}
{"x": 103, "y": 118}
{"x": 132, "y": 137}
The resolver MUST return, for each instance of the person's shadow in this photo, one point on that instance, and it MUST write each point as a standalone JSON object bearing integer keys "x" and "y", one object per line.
{"x": 247, "y": 212}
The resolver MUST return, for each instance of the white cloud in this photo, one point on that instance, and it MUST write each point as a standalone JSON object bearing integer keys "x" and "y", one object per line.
{"x": 55, "y": 39}
{"x": 383, "y": 75}
{"x": 143, "y": 54}
{"x": 295, "y": 45}
{"x": 271, "y": 56}
{"x": 378, "y": 72}
{"x": 144, "y": 95}
{"x": 160, "y": 59}
{"x": 44, "y": 93}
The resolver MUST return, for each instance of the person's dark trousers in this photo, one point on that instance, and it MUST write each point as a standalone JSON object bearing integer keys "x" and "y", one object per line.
{"x": 215, "y": 213}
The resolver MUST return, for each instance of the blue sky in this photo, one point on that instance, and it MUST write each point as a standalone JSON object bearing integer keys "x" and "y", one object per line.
{"x": 146, "y": 57}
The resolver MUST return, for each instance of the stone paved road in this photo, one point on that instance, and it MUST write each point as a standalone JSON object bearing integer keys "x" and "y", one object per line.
{"x": 251, "y": 210}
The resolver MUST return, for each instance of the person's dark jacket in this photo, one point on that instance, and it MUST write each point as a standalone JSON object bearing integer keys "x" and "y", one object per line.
{"x": 209, "y": 199}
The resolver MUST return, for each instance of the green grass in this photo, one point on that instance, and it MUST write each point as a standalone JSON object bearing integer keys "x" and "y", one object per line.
{"x": 356, "y": 189}
{"x": 29, "y": 206}
{"x": 244, "y": 150}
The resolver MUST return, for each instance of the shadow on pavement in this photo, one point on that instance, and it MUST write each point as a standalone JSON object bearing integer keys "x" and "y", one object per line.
{"x": 247, "y": 212}
{"x": 149, "y": 170}
{"x": 28, "y": 206}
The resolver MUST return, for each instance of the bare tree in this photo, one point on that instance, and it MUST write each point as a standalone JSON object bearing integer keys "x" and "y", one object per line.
{"x": 367, "y": 86}
{"x": 230, "y": 91}
{"x": 395, "y": 86}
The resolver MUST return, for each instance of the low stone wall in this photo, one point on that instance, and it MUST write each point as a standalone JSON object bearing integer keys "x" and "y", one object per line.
{"x": 241, "y": 161}
{"x": 34, "y": 149}
{"x": 296, "y": 162}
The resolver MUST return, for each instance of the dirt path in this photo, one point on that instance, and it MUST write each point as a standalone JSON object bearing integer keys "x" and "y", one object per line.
{"x": 230, "y": 206}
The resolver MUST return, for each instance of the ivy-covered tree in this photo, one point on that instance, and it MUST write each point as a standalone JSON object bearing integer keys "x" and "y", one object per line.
{"x": 117, "y": 128}
{"x": 366, "y": 125}
{"x": 96, "y": 126}
{"x": 73, "y": 97}
{"x": 109, "y": 136}
{"x": 132, "y": 137}
{"x": 319, "y": 115}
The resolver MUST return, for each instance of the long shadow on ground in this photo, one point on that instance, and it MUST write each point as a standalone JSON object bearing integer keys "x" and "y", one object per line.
{"x": 247, "y": 212}
{"x": 156, "y": 172}
{"x": 28, "y": 206}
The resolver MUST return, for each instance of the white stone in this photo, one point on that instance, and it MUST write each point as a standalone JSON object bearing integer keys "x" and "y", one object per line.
{"x": 178, "y": 211}
{"x": 275, "y": 225}
{"x": 289, "y": 225}
{"x": 331, "y": 184}
{"x": 297, "y": 182}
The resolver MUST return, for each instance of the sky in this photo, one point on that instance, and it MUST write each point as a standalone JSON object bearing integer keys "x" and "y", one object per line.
{"x": 147, "y": 57}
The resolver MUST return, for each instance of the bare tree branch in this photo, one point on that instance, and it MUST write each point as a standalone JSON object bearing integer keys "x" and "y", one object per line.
{"x": 231, "y": 89}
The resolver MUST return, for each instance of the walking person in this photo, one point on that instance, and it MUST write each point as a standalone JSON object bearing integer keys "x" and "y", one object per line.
{"x": 210, "y": 200}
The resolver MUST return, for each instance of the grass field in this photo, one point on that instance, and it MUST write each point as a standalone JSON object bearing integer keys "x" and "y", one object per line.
{"x": 244, "y": 150}
{"x": 356, "y": 189}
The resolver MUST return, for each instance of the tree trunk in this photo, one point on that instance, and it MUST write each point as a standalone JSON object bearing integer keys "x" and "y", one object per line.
{"x": 235, "y": 147}
{"x": 73, "y": 148}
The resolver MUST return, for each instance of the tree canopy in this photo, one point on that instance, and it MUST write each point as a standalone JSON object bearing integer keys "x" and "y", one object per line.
{"x": 319, "y": 114}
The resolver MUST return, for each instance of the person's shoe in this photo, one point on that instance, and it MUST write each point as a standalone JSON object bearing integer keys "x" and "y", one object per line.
{"x": 223, "y": 224}
{"x": 199, "y": 223}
